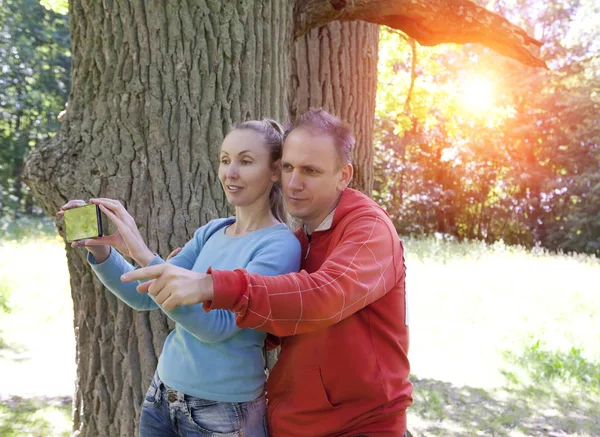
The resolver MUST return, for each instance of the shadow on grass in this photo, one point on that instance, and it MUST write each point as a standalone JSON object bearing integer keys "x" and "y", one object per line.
{"x": 546, "y": 394}
{"x": 35, "y": 417}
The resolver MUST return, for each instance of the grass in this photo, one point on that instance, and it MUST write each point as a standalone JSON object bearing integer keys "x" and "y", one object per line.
{"x": 35, "y": 417}
{"x": 37, "y": 351}
{"x": 504, "y": 341}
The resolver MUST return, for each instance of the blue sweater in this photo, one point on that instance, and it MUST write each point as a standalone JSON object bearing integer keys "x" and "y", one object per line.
{"x": 207, "y": 355}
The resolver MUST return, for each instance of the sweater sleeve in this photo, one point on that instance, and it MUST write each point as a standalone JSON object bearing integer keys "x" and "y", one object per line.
{"x": 209, "y": 328}
{"x": 109, "y": 272}
{"x": 366, "y": 263}
{"x": 279, "y": 253}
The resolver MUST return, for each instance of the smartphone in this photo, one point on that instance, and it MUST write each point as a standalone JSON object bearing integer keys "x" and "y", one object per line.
{"x": 84, "y": 222}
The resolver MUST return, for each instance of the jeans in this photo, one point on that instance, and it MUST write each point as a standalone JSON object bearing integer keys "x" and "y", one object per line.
{"x": 167, "y": 412}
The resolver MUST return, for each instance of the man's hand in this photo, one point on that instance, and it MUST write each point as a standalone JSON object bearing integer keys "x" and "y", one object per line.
{"x": 172, "y": 286}
{"x": 174, "y": 253}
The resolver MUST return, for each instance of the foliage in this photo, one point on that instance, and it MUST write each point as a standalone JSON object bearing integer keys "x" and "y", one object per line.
{"x": 26, "y": 228}
{"x": 37, "y": 417}
{"x": 35, "y": 80}
{"x": 544, "y": 366}
{"x": 473, "y": 145}
{"x": 59, "y": 6}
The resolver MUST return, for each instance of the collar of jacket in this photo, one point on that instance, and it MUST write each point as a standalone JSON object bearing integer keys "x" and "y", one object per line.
{"x": 327, "y": 221}
{"x": 325, "y": 224}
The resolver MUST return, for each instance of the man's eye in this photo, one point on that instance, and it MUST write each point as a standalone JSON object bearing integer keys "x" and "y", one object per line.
{"x": 287, "y": 167}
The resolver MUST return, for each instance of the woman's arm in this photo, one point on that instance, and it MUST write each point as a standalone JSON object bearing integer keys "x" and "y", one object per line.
{"x": 109, "y": 273}
{"x": 110, "y": 269}
{"x": 279, "y": 253}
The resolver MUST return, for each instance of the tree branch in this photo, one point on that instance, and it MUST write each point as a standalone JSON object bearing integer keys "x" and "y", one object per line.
{"x": 413, "y": 74}
{"x": 430, "y": 22}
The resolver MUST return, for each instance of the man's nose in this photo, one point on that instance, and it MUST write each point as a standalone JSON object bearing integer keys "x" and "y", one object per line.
{"x": 295, "y": 181}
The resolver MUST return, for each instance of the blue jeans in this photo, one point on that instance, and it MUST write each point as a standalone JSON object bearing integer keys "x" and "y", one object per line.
{"x": 170, "y": 413}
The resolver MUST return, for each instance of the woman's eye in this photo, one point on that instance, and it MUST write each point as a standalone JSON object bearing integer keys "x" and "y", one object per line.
{"x": 246, "y": 161}
{"x": 224, "y": 161}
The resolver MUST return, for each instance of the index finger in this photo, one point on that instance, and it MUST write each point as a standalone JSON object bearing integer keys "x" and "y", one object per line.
{"x": 151, "y": 272}
{"x": 116, "y": 207}
{"x": 69, "y": 205}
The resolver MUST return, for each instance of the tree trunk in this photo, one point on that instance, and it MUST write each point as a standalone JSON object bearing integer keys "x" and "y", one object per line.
{"x": 156, "y": 86}
{"x": 335, "y": 67}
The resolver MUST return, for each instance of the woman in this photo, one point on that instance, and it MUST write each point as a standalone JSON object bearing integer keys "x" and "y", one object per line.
{"x": 210, "y": 376}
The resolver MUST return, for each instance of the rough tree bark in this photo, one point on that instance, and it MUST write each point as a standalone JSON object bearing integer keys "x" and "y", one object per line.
{"x": 335, "y": 67}
{"x": 155, "y": 88}
{"x": 156, "y": 85}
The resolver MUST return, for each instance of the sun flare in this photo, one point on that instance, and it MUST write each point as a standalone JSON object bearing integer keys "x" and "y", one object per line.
{"x": 478, "y": 95}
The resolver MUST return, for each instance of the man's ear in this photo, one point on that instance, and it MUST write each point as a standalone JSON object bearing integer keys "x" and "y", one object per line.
{"x": 347, "y": 173}
{"x": 276, "y": 176}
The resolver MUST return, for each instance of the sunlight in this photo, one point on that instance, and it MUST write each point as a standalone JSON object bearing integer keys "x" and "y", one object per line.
{"x": 478, "y": 95}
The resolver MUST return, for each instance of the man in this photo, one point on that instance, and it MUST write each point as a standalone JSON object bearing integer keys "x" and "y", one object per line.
{"x": 343, "y": 367}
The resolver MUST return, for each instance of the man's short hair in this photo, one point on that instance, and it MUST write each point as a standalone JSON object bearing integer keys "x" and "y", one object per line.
{"x": 318, "y": 121}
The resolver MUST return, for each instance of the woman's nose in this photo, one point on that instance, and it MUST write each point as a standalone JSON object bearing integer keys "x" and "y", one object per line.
{"x": 232, "y": 171}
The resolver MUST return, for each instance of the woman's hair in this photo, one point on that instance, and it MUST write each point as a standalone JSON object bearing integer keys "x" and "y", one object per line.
{"x": 272, "y": 132}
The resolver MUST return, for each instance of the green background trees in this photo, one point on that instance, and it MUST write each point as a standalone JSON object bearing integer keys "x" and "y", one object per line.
{"x": 35, "y": 63}
{"x": 473, "y": 145}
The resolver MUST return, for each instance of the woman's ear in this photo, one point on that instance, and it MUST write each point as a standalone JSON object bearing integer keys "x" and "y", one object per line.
{"x": 276, "y": 176}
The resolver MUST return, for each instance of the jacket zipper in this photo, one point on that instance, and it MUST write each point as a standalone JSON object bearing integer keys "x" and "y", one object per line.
{"x": 308, "y": 237}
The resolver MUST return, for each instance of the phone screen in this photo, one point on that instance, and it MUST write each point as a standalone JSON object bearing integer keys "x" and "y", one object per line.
{"x": 83, "y": 222}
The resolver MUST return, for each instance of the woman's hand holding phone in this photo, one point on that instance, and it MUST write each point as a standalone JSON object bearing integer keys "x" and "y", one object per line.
{"x": 126, "y": 239}
{"x": 100, "y": 252}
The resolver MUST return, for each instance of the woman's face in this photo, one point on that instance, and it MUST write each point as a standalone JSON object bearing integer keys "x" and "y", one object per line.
{"x": 245, "y": 170}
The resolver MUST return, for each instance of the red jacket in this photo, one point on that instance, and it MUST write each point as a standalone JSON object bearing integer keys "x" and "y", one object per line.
{"x": 343, "y": 368}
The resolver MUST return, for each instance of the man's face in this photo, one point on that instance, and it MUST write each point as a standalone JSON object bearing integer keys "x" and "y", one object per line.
{"x": 312, "y": 176}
